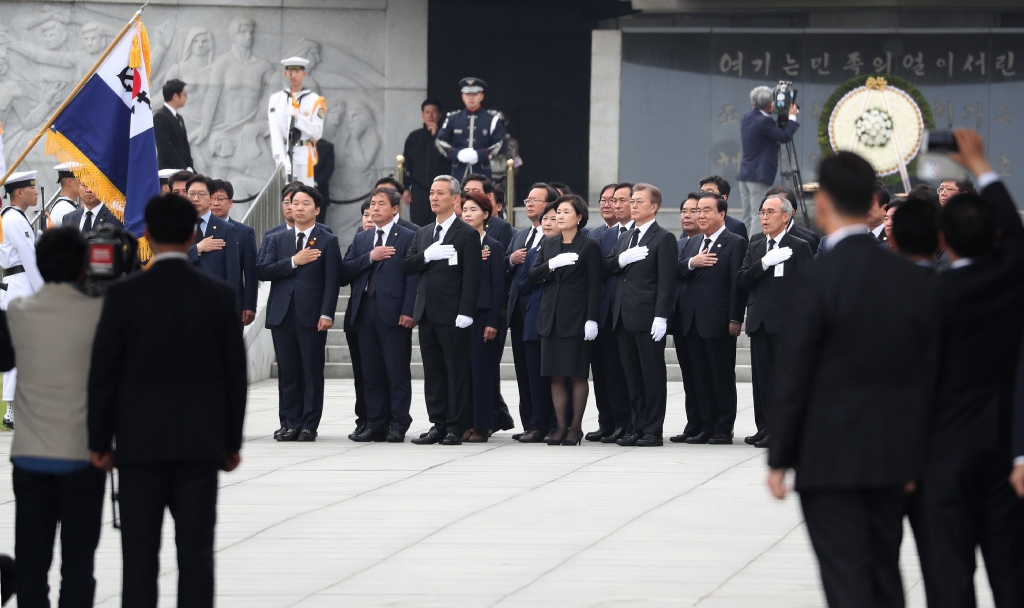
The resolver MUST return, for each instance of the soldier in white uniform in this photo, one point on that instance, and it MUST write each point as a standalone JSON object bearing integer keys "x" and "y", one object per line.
{"x": 18, "y": 259}
{"x": 296, "y": 118}
{"x": 67, "y": 201}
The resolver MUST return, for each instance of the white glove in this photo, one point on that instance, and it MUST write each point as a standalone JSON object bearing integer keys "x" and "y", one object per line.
{"x": 629, "y": 256}
{"x": 590, "y": 330}
{"x": 776, "y": 256}
{"x": 658, "y": 328}
{"x": 437, "y": 251}
{"x": 563, "y": 259}
{"x": 462, "y": 321}
{"x": 468, "y": 156}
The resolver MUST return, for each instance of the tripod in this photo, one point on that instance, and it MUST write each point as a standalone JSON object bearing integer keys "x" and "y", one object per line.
{"x": 789, "y": 171}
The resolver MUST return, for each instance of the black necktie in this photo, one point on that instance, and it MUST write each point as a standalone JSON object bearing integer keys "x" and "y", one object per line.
{"x": 633, "y": 240}
{"x": 771, "y": 244}
{"x": 622, "y": 230}
{"x": 371, "y": 285}
{"x": 298, "y": 242}
{"x": 87, "y": 226}
{"x": 529, "y": 241}
{"x": 437, "y": 233}
{"x": 706, "y": 245}
{"x": 199, "y": 230}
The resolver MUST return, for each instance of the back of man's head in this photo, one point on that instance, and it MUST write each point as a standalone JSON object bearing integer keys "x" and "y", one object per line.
{"x": 849, "y": 181}
{"x": 923, "y": 192}
{"x": 171, "y": 219}
{"x": 720, "y": 182}
{"x": 915, "y": 227}
{"x": 60, "y": 255}
{"x": 969, "y": 224}
{"x": 783, "y": 191}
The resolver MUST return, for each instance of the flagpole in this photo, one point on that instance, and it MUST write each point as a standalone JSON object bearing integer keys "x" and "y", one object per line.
{"x": 85, "y": 79}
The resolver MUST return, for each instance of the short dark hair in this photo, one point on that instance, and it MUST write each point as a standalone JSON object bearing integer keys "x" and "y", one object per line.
{"x": 552, "y": 206}
{"x": 578, "y": 205}
{"x": 563, "y": 188}
{"x": 201, "y": 179}
{"x": 884, "y": 198}
{"x": 181, "y": 176}
{"x": 318, "y": 199}
{"x": 915, "y": 227}
{"x": 783, "y": 191}
{"x": 476, "y": 177}
{"x": 966, "y": 186}
{"x": 499, "y": 196}
{"x": 723, "y": 205}
{"x": 720, "y": 182}
{"x": 173, "y": 87}
{"x": 61, "y": 254}
{"x": 550, "y": 194}
{"x": 612, "y": 186}
{"x": 171, "y": 219}
{"x": 364, "y": 207}
{"x": 970, "y": 225}
{"x": 225, "y": 185}
{"x": 621, "y": 185}
{"x": 481, "y": 200}
{"x": 653, "y": 190}
{"x": 693, "y": 195}
{"x": 924, "y": 192}
{"x": 393, "y": 196}
{"x": 394, "y": 183}
{"x": 430, "y": 102}
{"x": 849, "y": 180}
{"x": 289, "y": 188}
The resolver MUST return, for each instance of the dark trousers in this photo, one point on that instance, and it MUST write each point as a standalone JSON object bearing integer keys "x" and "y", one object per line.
{"x": 611, "y": 380}
{"x": 693, "y": 424}
{"x": 856, "y": 535}
{"x": 352, "y": 338}
{"x": 522, "y": 371}
{"x": 301, "y": 355}
{"x": 75, "y": 500}
{"x": 714, "y": 374}
{"x": 540, "y": 391}
{"x": 503, "y": 419}
{"x": 483, "y": 371}
{"x": 447, "y": 382}
{"x": 385, "y": 359}
{"x": 189, "y": 490}
{"x": 968, "y": 503}
{"x": 763, "y": 348}
{"x": 643, "y": 362}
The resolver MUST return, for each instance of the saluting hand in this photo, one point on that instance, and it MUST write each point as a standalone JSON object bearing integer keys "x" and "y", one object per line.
{"x": 703, "y": 260}
{"x": 306, "y": 256}
{"x": 210, "y": 244}
{"x": 379, "y": 254}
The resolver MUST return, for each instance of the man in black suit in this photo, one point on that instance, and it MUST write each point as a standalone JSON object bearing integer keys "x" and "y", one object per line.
{"x": 447, "y": 257}
{"x": 140, "y": 357}
{"x": 719, "y": 185}
{"x": 216, "y": 247}
{"x": 392, "y": 183}
{"x": 91, "y": 215}
{"x": 966, "y": 500}
{"x": 856, "y": 437}
{"x": 423, "y": 162}
{"x": 812, "y": 237}
{"x": 382, "y": 307}
{"x": 322, "y": 173}
{"x": 765, "y": 274}
{"x": 645, "y": 261}
{"x": 303, "y": 265}
{"x": 172, "y": 148}
{"x": 876, "y": 217}
{"x": 710, "y": 317}
{"x": 607, "y": 211}
{"x": 220, "y": 205}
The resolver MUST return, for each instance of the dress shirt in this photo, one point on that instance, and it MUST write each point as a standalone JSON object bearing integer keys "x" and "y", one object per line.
{"x": 769, "y": 247}
{"x": 173, "y": 112}
{"x": 713, "y": 237}
{"x": 384, "y": 238}
{"x": 877, "y": 230}
{"x": 445, "y": 225}
{"x": 642, "y": 230}
{"x": 169, "y": 255}
{"x": 95, "y": 213}
{"x": 205, "y": 221}
{"x": 842, "y": 233}
{"x": 305, "y": 244}
{"x": 961, "y": 263}
{"x": 628, "y": 226}
{"x": 536, "y": 233}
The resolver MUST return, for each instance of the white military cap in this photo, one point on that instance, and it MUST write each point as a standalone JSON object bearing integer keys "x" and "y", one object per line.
{"x": 21, "y": 179}
{"x": 295, "y": 63}
{"x": 166, "y": 173}
{"x": 66, "y": 170}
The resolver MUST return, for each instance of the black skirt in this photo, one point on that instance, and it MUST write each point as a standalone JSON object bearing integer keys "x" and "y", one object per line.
{"x": 568, "y": 357}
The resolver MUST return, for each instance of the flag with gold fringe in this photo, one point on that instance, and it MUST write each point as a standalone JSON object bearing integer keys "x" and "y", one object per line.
{"x": 107, "y": 129}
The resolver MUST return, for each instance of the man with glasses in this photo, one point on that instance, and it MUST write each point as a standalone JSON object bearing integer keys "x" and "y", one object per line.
{"x": 949, "y": 188}
{"x": 221, "y": 203}
{"x": 215, "y": 250}
{"x": 607, "y": 213}
{"x": 688, "y": 222}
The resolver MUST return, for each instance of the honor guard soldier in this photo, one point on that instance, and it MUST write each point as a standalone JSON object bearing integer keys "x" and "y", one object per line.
{"x": 296, "y": 118}
{"x": 67, "y": 201}
{"x": 164, "y": 175}
{"x": 18, "y": 258}
{"x": 470, "y": 137}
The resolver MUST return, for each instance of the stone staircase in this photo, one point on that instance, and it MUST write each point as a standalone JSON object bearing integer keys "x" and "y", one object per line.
{"x": 339, "y": 361}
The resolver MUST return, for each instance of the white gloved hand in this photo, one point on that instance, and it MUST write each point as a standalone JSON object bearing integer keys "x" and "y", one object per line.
{"x": 776, "y": 256}
{"x": 563, "y": 259}
{"x": 437, "y": 251}
{"x": 468, "y": 156}
{"x": 658, "y": 328}
{"x": 462, "y": 321}
{"x": 590, "y": 330}
{"x": 629, "y": 256}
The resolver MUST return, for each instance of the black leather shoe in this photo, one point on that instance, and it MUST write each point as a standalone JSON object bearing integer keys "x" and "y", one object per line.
{"x": 431, "y": 436}
{"x": 451, "y": 439}
{"x": 702, "y": 437}
{"x": 8, "y": 579}
{"x": 680, "y": 438}
{"x": 758, "y": 436}
{"x": 359, "y": 429}
{"x": 535, "y": 435}
{"x": 519, "y": 436}
{"x": 766, "y": 442}
{"x": 288, "y": 435}
{"x": 395, "y": 436}
{"x": 277, "y": 433}
{"x": 614, "y": 436}
{"x": 720, "y": 439}
{"x": 629, "y": 440}
{"x": 596, "y": 435}
{"x": 306, "y": 435}
{"x": 369, "y": 434}
{"x": 649, "y": 440}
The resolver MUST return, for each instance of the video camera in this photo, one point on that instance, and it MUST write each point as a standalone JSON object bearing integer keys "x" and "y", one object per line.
{"x": 112, "y": 254}
{"x": 785, "y": 96}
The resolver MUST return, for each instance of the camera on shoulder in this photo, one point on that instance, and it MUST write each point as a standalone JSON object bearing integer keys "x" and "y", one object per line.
{"x": 785, "y": 97}
{"x": 113, "y": 253}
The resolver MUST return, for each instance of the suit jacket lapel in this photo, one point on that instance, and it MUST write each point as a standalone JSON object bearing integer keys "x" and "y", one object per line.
{"x": 450, "y": 233}
{"x": 646, "y": 238}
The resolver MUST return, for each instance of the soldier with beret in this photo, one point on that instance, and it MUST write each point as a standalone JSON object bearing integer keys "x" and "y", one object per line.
{"x": 470, "y": 137}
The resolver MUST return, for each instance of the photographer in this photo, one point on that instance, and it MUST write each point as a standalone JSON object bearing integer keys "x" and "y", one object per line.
{"x": 761, "y": 135}
{"x": 53, "y": 479}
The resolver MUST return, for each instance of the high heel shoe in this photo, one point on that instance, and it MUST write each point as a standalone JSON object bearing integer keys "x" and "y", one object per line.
{"x": 577, "y": 441}
{"x": 558, "y": 438}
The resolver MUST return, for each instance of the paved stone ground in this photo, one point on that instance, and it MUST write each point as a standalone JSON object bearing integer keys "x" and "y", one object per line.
{"x": 336, "y": 523}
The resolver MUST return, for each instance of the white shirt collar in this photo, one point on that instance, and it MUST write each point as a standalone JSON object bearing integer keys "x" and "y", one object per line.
{"x": 781, "y": 234}
{"x": 445, "y": 225}
{"x": 961, "y": 263}
{"x": 304, "y": 233}
{"x": 627, "y": 225}
{"x": 643, "y": 229}
{"x": 842, "y": 233}
{"x": 765, "y": 113}
{"x": 877, "y": 230}
{"x": 714, "y": 237}
{"x": 171, "y": 110}
{"x": 387, "y": 230}
{"x": 170, "y": 255}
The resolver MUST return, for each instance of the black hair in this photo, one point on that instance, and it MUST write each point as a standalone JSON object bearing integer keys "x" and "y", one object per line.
{"x": 173, "y": 87}
{"x": 924, "y": 192}
{"x": 289, "y": 188}
{"x": 720, "y": 182}
{"x": 723, "y": 205}
{"x": 970, "y": 225}
{"x": 61, "y": 254}
{"x": 849, "y": 181}
{"x": 613, "y": 187}
{"x": 563, "y": 188}
{"x": 966, "y": 186}
{"x": 579, "y": 206}
{"x": 318, "y": 199}
{"x": 622, "y": 185}
{"x": 499, "y": 196}
{"x": 430, "y": 102}
{"x": 884, "y": 198}
{"x": 393, "y": 197}
{"x": 476, "y": 177}
{"x": 552, "y": 206}
{"x": 915, "y": 227}
{"x": 225, "y": 185}
{"x": 181, "y": 176}
{"x": 781, "y": 191}
{"x": 693, "y": 195}
{"x": 550, "y": 194}
{"x": 201, "y": 179}
{"x": 171, "y": 219}
{"x": 391, "y": 182}
{"x": 364, "y": 207}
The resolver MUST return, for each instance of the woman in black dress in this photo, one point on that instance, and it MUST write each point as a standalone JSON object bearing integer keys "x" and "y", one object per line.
{"x": 569, "y": 267}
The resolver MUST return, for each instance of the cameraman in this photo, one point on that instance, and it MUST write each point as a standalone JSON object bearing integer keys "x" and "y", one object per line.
{"x": 761, "y": 135}
{"x": 53, "y": 479}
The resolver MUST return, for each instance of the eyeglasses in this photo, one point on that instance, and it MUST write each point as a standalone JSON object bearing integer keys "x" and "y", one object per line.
{"x": 768, "y": 213}
{"x": 949, "y": 189}
{"x": 221, "y": 199}
{"x": 533, "y": 200}
{"x": 198, "y": 194}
